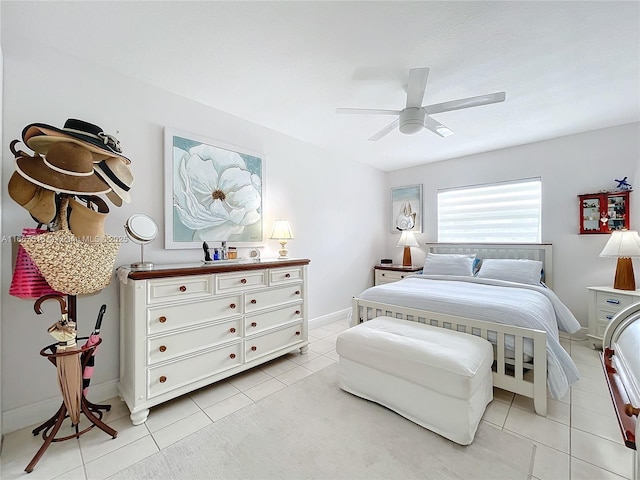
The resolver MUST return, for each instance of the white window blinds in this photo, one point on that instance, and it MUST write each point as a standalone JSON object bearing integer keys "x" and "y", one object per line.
{"x": 501, "y": 212}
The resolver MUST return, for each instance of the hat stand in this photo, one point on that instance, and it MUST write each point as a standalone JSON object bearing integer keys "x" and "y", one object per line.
{"x": 92, "y": 411}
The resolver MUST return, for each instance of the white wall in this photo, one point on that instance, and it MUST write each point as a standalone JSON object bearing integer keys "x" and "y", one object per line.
{"x": 334, "y": 205}
{"x": 568, "y": 166}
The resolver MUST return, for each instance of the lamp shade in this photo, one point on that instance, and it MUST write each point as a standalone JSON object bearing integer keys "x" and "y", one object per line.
{"x": 281, "y": 230}
{"x": 407, "y": 239}
{"x": 622, "y": 244}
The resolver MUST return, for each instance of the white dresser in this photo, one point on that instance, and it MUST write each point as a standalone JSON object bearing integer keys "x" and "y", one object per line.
{"x": 183, "y": 327}
{"x": 604, "y": 303}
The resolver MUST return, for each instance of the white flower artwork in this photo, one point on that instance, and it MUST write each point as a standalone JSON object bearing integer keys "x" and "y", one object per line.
{"x": 217, "y": 194}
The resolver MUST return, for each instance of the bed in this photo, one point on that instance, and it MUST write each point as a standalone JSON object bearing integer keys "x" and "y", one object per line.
{"x": 522, "y": 321}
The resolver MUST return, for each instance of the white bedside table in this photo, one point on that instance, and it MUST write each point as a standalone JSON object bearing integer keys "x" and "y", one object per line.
{"x": 604, "y": 303}
{"x": 388, "y": 273}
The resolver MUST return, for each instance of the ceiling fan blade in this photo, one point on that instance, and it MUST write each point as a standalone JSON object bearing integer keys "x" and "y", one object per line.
{"x": 436, "y": 127}
{"x": 465, "y": 103}
{"x": 367, "y": 111}
{"x": 385, "y": 130}
{"x": 416, "y": 86}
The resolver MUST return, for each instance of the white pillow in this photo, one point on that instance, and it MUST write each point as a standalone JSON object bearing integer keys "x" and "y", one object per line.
{"x": 449, "y": 264}
{"x": 511, "y": 270}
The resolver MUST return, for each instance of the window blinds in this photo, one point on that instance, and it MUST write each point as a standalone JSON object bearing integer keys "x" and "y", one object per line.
{"x": 501, "y": 212}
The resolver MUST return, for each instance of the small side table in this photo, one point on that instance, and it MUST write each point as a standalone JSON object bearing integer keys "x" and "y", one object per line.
{"x": 604, "y": 303}
{"x": 388, "y": 273}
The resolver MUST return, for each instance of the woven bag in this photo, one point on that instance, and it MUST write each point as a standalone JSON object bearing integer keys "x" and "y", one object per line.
{"x": 69, "y": 264}
{"x": 27, "y": 281}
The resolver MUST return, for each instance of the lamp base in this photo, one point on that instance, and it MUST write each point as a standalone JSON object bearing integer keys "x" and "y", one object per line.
{"x": 624, "y": 279}
{"x": 406, "y": 257}
{"x": 283, "y": 252}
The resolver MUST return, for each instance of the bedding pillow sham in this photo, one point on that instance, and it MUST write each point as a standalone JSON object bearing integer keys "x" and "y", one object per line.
{"x": 449, "y": 264}
{"x": 511, "y": 270}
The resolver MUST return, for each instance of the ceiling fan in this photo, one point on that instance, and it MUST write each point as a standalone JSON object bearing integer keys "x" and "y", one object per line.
{"x": 414, "y": 117}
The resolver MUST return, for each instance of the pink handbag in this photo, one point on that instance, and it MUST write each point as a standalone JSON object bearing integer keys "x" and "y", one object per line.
{"x": 27, "y": 281}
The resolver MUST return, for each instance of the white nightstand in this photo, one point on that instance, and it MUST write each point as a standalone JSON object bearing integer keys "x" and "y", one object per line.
{"x": 388, "y": 273}
{"x": 604, "y": 303}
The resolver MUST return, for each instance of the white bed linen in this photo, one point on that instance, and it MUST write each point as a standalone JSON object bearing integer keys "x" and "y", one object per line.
{"x": 496, "y": 301}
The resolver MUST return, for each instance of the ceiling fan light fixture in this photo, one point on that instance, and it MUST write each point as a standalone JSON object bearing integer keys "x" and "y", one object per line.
{"x": 444, "y": 131}
{"x": 412, "y": 120}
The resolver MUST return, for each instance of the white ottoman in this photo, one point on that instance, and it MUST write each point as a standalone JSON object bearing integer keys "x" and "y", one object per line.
{"x": 438, "y": 378}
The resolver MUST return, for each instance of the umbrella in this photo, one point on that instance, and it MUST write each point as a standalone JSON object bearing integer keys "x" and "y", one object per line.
{"x": 68, "y": 366}
{"x": 87, "y": 373}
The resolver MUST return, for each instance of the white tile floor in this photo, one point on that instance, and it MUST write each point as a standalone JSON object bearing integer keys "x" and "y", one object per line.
{"x": 579, "y": 439}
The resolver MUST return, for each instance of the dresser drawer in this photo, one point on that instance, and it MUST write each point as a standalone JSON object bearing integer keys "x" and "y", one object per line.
{"x": 271, "y": 297}
{"x": 388, "y": 276}
{"x": 263, "y": 321}
{"x": 238, "y": 282}
{"x": 166, "y": 347}
{"x": 170, "y": 317}
{"x": 278, "y": 276}
{"x": 166, "y": 377}
{"x": 612, "y": 301}
{"x": 177, "y": 289}
{"x": 260, "y": 345}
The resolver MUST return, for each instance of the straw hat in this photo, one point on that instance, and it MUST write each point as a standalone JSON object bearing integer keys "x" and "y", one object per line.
{"x": 86, "y": 223}
{"x": 39, "y": 137}
{"x": 40, "y": 203}
{"x": 67, "y": 168}
{"x": 117, "y": 174}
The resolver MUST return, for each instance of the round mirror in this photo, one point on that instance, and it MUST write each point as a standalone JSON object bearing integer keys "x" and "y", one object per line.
{"x": 141, "y": 229}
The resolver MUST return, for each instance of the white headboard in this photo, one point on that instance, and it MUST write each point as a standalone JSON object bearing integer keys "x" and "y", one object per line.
{"x": 530, "y": 251}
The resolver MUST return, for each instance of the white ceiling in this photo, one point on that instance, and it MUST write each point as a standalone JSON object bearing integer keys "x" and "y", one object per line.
{"x": 567, "y": 67}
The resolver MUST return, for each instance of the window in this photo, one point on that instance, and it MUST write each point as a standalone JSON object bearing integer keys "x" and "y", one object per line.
{"x": 500, "y": 212}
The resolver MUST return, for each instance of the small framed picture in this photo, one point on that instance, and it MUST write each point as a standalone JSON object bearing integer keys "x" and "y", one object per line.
{"x": 406, "y": 208}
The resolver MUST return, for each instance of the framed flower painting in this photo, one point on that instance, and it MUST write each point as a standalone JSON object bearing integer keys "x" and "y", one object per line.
{"x": 213, "y": 192}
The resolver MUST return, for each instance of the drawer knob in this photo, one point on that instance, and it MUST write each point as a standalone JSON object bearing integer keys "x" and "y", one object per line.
{"x": 243, "y": 281}
{"x": 162, "y": 319}
{"x": 288, "y": 275}
{"x": 254, "y": 348}
{"x": 232, "y": 330}
{"x": 183, "y": 288}
{"x": 232, "y": 356}
{"x": 297, "y": 292}
{"x": 383, "y": 274}
{"x": 253, "y": 301}
{"x": 297, "y": 312}
{"x": 163, "y": 379}
{"x": 163, "y": 348}
{"x": 233, "y": 305}
{"x": 401, "y": 276}
{"x": 611, "y": 300}
{"x": 297, "y": 333}
{"x": 254, "y": 324}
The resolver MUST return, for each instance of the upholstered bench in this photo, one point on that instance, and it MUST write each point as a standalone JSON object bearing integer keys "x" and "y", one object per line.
{"x": 438, "y": 378}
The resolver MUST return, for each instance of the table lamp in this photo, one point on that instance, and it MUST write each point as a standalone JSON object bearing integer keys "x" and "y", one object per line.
{"x": 282, "y": 232}
{"x": 623, "y": 245}
{"x": 407, "y": 240}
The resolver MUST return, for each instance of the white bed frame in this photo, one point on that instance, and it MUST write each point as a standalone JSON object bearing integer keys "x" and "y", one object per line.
{"x": 511, "y": 374}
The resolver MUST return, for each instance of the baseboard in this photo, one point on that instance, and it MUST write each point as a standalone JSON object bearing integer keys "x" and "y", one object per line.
{"x": 330, "y": 318}
{"x": 38, "y": 412}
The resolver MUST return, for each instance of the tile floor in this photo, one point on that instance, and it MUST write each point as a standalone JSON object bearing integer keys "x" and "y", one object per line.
{"x": 579, "y": 439}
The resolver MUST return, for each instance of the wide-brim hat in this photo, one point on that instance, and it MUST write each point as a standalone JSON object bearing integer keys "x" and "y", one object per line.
{"x": 67, "y": 168}
{"x": 39, "y": 202}
{"x": 117, "y": 174}
{"x": 39, "y": 137}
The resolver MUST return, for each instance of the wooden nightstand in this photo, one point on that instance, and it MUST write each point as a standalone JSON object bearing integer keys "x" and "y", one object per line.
{"x": 388, "y": 273}
{"x": 604, "y": 303}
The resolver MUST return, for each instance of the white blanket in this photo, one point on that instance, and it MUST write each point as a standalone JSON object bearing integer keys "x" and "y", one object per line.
{"x": 496, "y": 301}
